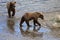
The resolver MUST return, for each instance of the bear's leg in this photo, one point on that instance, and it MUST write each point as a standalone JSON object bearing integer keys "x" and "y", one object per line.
{"x": 34, "y": 24}
{"x": 27, "y": 22}
{"x": 13, "y": 12}
{"x": 22, "y": 20}
{"x": 38, "y": 24}
{"x": 35, "y": 21}
{"x": 9, "y": 13}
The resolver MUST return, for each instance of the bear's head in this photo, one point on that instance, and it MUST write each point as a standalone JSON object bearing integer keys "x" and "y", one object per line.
{"x": 12, "y": 4}
{"x": 40, "y": 15}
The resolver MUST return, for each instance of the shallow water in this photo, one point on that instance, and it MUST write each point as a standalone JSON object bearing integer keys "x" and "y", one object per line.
{"x": 11, "y": 30}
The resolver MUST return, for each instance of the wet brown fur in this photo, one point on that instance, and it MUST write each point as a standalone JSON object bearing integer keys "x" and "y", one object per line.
{"x": 31, "y": 16}
{"x": 11, "y": 8}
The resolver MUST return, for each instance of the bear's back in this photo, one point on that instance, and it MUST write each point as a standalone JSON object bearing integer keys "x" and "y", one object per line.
{"x": 30, "y": 15}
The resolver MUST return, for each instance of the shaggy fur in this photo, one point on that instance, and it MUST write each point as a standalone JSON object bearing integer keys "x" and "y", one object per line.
{"x": 11, "y": 8}
{"x": 31, "y": 16}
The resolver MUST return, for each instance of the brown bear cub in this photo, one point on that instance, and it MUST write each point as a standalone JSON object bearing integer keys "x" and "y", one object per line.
{"x": 11, "y": 8}
{"x": 31, "y": 16}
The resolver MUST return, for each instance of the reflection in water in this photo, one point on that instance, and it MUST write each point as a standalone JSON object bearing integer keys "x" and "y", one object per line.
{"x": 10, "y": 24}
{"x": 29, "y": 33}
{"x": 36, "y": 28}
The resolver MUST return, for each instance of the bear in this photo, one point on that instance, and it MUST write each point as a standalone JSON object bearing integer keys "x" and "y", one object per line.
{"x": 11, "y": 8}
{"x": 31, "y": 16}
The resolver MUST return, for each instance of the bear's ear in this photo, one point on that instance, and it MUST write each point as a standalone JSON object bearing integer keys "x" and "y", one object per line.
{"x": 15, "y": 2}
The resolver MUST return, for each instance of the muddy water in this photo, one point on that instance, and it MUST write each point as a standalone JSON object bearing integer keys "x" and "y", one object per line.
{"x": 10, "y": 29}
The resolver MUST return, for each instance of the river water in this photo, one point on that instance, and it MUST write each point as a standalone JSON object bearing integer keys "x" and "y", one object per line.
{"x": 10, "y": 29}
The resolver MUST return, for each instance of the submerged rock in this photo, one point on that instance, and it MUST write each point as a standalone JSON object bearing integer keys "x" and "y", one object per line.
{"x": 57, "y": 21}
{"x": 56, "y": 25}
